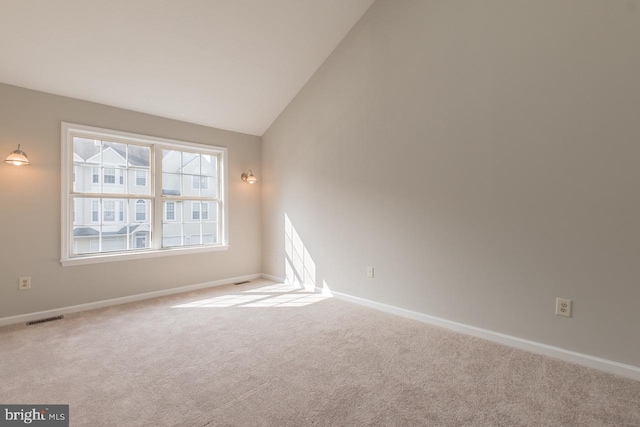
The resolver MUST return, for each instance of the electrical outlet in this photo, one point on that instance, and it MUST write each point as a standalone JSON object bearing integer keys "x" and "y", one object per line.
{"x": 24, "y": 283}
{"x": 370, "y": 272}
{"x": 563, "y": 307}
{"x": 272, "y": 256}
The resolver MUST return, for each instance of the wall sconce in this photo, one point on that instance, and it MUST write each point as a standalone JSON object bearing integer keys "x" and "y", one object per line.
{"x": 248, "y": 177}
{"x": 18, "y": 157}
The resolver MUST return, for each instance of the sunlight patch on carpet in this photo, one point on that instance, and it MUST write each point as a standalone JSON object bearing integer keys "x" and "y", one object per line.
{"x": 278, "y": 295}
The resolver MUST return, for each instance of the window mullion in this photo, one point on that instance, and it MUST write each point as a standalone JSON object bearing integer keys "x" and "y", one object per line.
{"x": 101, "y": 169}
{"x": 128, "y": 222}
{"x": 156, "y": 203}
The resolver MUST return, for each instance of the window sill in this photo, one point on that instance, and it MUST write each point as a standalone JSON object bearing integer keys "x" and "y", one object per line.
{"x": 97, "y": 259}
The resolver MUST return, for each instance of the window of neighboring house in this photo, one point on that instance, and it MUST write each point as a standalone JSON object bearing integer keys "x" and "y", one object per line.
{"x": 95, "y": 210}
{"x": 170, "y": 211}
{"x": 141, "y": 178}
{"x": 200, "y": 182}
{"x": 195, "y": 210}
{"x": 120, "y": 220}
{"x": 141, "y": 241}
{"x": 109, "y": 210}
{"x": 109, "y": 176}
{"x": 205, "y": 211}
{"x": 141, "y": 210}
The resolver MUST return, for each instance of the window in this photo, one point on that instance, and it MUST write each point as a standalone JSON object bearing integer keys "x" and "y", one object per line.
{"x": 109, "y": 176}
{"x": 109, "y": 210}
{"x": 200, "y": 182}
{"x": 141, "y": 241}
{"x": 184, "y": 174}
{"x": 195, "y": 210}
{"x": 200, "y": 210}
{"x": 170, "y": 211}
{"x": 170, "y": 196}
{"x": 141, "y": 178}
{"x": 141, "y": 210}
{"x": 95, "y": 210}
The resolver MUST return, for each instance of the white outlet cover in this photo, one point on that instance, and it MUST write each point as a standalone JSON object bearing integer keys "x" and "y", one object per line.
{"x": 24, "y": 283}
{"x": 563, "y": 307}
{"x": 370, "y": 272}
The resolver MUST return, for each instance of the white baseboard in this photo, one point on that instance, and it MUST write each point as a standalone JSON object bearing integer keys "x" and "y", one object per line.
{"x": 628, "y": 371}
{"x": 273, "y": 278}
{"x": 5, "y": 321}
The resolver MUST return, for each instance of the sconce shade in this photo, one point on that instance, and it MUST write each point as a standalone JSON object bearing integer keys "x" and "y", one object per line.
{"x": 248, "y": 177}
{"x": 17, "y": 157}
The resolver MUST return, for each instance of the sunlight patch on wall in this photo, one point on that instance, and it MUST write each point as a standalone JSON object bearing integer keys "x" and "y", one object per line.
{"x": 300, "y": 269}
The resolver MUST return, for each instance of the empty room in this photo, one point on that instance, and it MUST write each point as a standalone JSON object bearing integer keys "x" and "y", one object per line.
{"x": 320, "y": 212}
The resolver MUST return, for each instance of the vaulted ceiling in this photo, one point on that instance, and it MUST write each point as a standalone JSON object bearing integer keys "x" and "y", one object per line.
{"x": 230, "y": 64}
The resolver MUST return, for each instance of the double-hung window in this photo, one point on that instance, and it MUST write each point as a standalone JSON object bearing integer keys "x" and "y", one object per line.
{"x": 109, "y": 176}
{"x": 201, "y": 182}
{"x": 141, "y": 178}
{"x": 169, "y": 196}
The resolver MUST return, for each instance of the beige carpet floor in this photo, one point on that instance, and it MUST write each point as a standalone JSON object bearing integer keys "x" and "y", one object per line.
{"x": 263, "y": 354}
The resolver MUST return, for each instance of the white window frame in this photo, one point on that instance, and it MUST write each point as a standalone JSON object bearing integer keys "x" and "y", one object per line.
{"x": 70, "y": 130}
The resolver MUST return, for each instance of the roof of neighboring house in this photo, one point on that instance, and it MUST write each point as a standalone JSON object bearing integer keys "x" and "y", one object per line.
{"x": 87, "y": 148}
{"x": 85, "y": 232}
{"x": 91, "y": 231}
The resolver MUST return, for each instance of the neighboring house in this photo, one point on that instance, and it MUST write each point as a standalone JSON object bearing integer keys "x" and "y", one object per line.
{"x": 121, "y": 224}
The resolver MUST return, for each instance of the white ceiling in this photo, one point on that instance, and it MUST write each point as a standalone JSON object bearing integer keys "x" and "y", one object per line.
{"x": 230, "y": 64}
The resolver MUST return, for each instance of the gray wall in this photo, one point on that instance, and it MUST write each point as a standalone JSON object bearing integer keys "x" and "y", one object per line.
{"x": 484, "y": 157}
{"x": 30, "y": 208}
